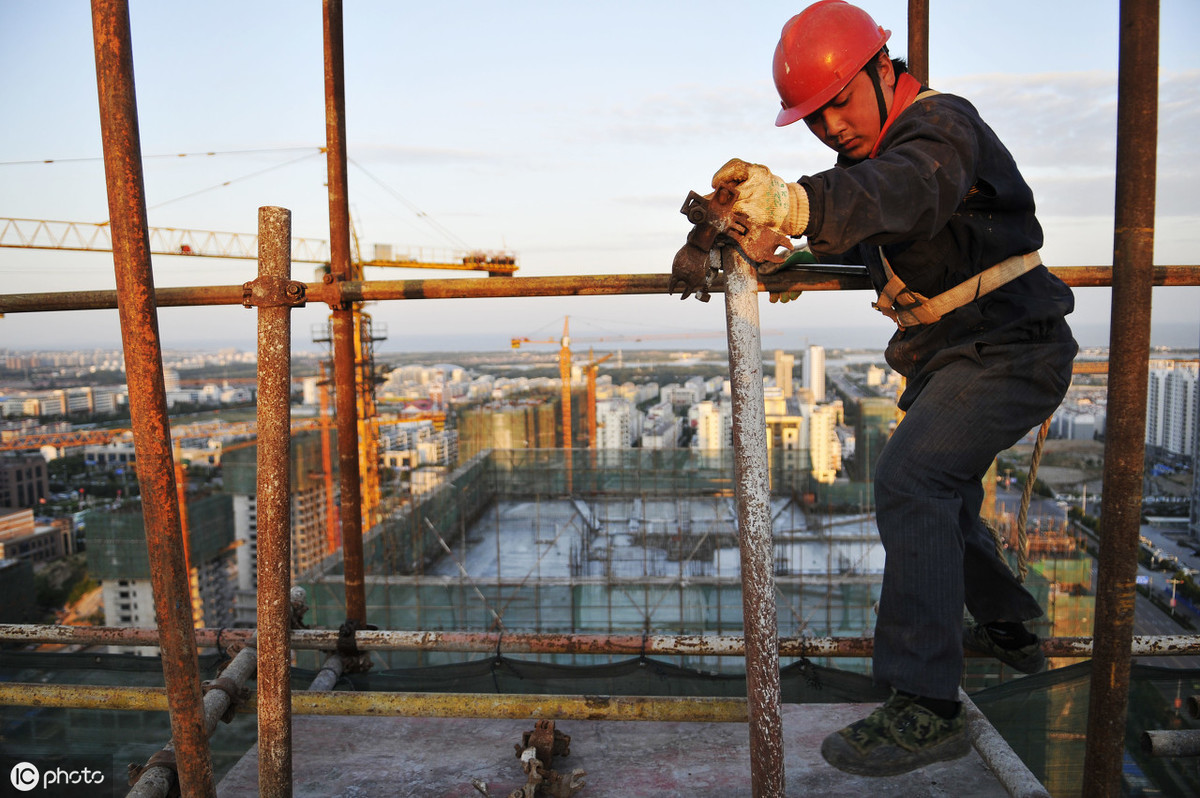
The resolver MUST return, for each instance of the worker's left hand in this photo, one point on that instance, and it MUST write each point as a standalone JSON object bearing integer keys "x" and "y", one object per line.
{"x": 764, "y": 197}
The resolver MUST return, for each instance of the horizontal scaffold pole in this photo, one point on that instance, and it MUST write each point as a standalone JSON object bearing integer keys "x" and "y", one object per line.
{"x": 338, "y": 293}
{"x": 548, "y": 643}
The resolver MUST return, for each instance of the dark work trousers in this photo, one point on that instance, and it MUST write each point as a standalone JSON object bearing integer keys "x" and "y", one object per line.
{"x": 979, "y": 400}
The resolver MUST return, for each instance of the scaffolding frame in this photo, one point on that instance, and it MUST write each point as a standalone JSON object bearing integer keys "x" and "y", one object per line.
{"x": 1131, "y": 277}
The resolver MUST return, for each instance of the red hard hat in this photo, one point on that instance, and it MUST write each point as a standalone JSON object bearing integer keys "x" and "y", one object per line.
{"x": 820, "y": 50}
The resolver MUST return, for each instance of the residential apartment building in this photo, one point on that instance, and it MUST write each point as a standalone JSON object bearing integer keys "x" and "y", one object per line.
{"x": 814, "y": 372}
{"x": 784, "y": 363}
{"x": 24, "y": 480}
{"x": 309, "y": 522}
{"x": 1172, "y": 402}
{"x": 618, "y": 424}
{"x": 117, "y": 556}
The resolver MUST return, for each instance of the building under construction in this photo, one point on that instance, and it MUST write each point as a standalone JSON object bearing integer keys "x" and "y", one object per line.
{"x": 550, "y": 597}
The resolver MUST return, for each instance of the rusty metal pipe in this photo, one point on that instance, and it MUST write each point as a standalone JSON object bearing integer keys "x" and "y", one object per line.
{"x": 330, "y": 672}
{"x": 1129, "y": 354}
{"x": 551, "y": 643}
{"x": 510, "y": 287}
{"x": 918, "y": 40}
{"x": 997, "y": 754}
{"x": 342, "y": 320}
{"x": 274, "y": 498}
{"x": 156, "y": 782}
{"x": 346, "y": 407}
{"x": 753, "y": 496}
{"x": 1171, "y": 742}
{"x": 690, "y": 709}
{"x": 147, "y": 392}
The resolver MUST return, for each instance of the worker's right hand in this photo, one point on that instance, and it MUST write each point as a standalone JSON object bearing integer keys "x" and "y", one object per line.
{"x": 764, "y": 197}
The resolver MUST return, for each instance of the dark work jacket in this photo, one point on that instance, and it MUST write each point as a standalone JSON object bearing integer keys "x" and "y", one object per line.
{"x": 944, "y": 199}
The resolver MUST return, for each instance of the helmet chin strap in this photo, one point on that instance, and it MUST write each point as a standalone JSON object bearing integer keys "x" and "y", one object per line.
{"x": 873, "y": 71}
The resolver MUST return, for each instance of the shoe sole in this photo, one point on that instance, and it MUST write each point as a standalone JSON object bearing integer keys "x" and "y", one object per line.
{"x": 838, "y": 753}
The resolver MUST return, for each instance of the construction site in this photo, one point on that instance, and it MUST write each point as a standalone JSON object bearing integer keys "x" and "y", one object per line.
{"x": 633, "y": 622}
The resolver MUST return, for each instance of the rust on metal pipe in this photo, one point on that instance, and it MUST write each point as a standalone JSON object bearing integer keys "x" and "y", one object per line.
{"x": 147, "y": 392}
{"x": 1171, "y": 742}
{"x": 690, "y": 709}
{"x": 918, "y": 40}
{"x": 510, "y": 287}
{"x": 552, "y": 643}
{"x": 342, "y": 320}
{"x": 346, "y": 407}
{"x": 274, "y": 498}
{"x": 1129, "y": 354}
{"x": 156, "y": 781}
{"x": 753, "y": 497}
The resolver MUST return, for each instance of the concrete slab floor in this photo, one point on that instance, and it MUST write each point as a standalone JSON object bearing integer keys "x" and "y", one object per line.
{"x": 365, "y": 757}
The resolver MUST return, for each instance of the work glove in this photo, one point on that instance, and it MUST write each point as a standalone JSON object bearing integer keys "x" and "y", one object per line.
{"x": 800, "y": 256}
{"x": 764, "y": 197}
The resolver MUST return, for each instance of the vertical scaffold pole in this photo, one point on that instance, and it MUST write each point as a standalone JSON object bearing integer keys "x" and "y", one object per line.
{"x": 918, "y": 39}
{"x": 342, "y": 322}
{"x": 752, "y": 493}
{"x": 138, "y": 312}
{"x": 1129, "y": 355}
{"x": 274, "y": 496}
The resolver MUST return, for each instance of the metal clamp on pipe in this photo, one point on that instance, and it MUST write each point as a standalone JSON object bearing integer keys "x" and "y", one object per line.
{"x": 273, "y": 292}
{"x": 715, "y": 224}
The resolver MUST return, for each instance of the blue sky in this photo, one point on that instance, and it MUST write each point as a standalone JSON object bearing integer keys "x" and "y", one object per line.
{"x": 568, "y": 133}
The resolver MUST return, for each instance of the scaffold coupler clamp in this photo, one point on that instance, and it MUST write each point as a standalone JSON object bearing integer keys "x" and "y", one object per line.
{"x": 714, "y": 224}
{"x": 354, "y": 661}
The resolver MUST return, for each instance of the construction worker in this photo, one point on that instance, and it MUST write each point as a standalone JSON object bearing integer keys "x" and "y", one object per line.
{"x": 927, "y": 197}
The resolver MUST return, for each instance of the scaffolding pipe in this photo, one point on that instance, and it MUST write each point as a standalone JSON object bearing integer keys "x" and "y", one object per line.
{"x": 689, "y": 709}
{"x": 329, "y": 674}
{"x": 274, "y": 496}
{"x": 147, "y": 392}
{"x": 342, "y": 319}
{"x": 753, "y": 496}
{"x": 918, "y": 40}
{"x": 1171, "y": 742}
{"x": 1017, "y": 779}
{"x": 336, "y": 293}
{"x": 157, "y": 781}
{"x": 554, "y": 643}
{"x": 1129, "y": 354}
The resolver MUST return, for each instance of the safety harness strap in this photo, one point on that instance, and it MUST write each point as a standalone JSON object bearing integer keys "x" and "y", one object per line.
{"x": 910, "y": 309}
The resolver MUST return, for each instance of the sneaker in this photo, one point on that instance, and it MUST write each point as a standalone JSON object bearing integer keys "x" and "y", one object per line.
{"x": 1027, "y": 659}
{"x": 898, "y": 737}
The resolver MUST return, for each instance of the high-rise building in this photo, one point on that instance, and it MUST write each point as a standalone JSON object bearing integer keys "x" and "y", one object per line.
{"x": 814, "y": 372}
{"x": 714, "y": 426}
{"x": 783, "y": 372}
{"x": 1173, "y": 395}
{"x": 309, "y": 523}
{"x": 618, "y": 424}
{"x": 874, "y": 419}
{"x": 825, "y": 449}
{"x": 117, "y": 557}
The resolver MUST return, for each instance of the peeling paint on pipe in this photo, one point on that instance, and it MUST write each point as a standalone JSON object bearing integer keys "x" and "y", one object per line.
{"x": 753, "y": 496}
{"x": 274, "y": 486}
